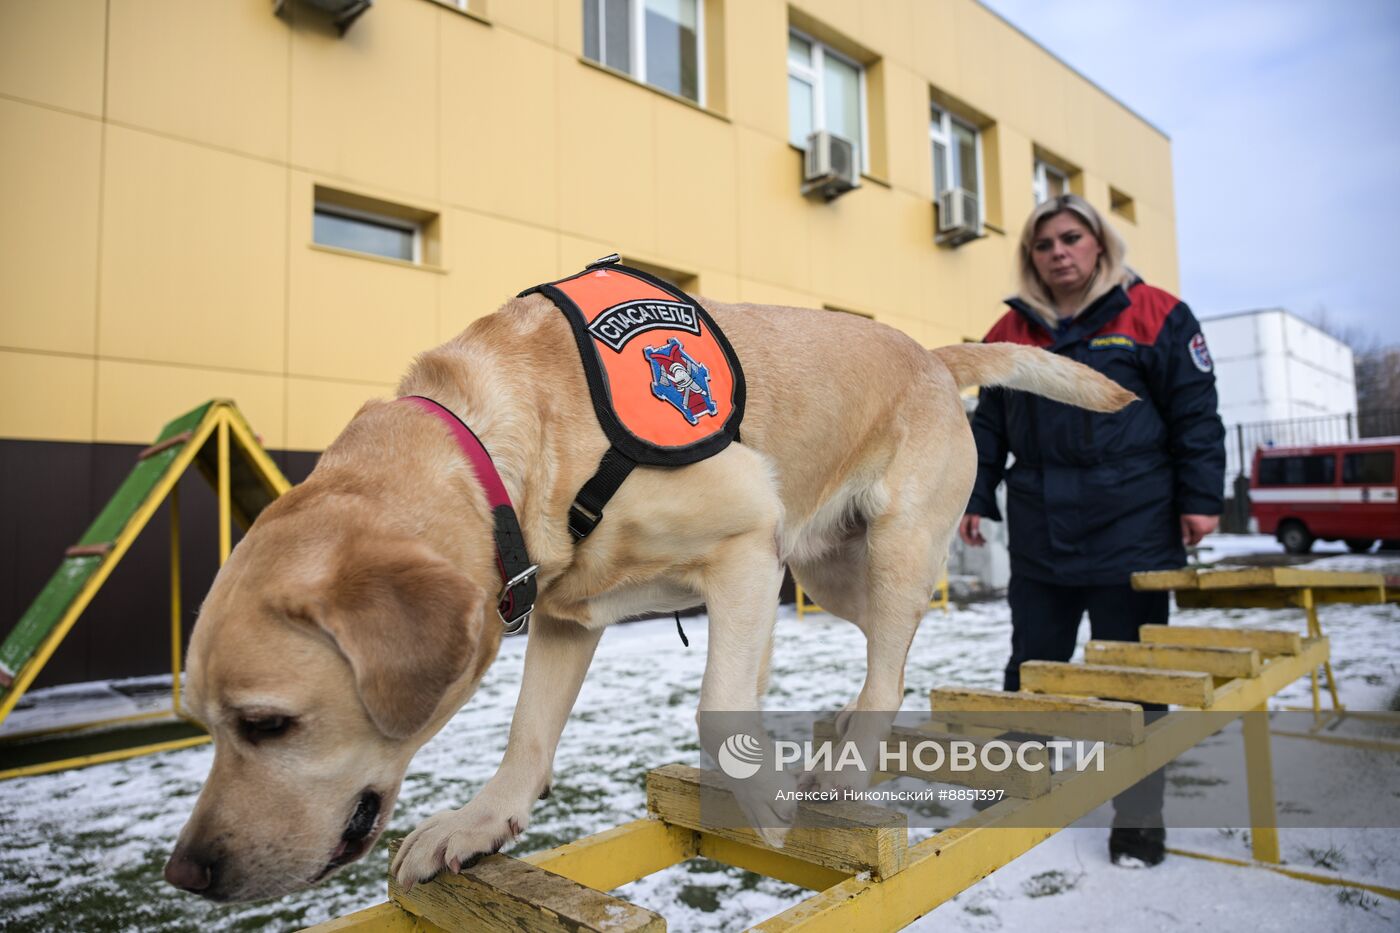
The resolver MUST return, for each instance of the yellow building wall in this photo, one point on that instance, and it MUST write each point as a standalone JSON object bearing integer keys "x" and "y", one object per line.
{"x": 158, "y": 160}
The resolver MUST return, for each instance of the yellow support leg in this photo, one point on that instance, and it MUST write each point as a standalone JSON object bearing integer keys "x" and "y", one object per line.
{"x": 225, "y": 500}
{"x": 1309, "y": 604}
{"x": 1260, "y": 776}
{"x": 175, "y": 647}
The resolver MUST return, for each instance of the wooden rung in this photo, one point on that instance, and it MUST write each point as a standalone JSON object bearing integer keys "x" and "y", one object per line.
{"x": 164, "y": 445}
{"x": 1267, "y": 642}
{"x": 504, "y": 894}
{"x": 849, "y": 837}
{"x": 1184, "y": 579}
{"x": 1015, "y": 781}
{"x": 1043, "y": 714}
{"x": 1218, "y": 662}
{"x": 90, "y": 550}
{"x": 1139, "y": 684}
{"x": 1284, "y": 577}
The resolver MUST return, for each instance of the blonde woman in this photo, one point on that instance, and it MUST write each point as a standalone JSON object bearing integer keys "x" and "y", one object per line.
{"x": 1093, "y": 498}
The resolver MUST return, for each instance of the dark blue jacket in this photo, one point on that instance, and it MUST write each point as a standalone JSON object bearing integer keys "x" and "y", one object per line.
{"x": 1091, "y": 497}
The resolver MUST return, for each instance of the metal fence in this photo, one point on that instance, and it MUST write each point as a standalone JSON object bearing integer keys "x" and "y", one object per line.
{"x": 1241, "y": 440}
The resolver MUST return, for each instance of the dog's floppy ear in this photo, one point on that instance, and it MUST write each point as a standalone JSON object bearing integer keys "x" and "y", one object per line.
{"x": 406, "y": 621}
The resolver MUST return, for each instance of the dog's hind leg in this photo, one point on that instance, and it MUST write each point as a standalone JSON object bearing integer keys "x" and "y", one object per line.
{"x": 556, "y": 660}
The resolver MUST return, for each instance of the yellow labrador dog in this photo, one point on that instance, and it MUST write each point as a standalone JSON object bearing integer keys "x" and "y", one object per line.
{"x": 358, "y": 615}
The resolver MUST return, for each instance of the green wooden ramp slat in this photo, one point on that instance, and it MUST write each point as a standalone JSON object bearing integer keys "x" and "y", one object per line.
{"x": 46, "y": 610}
{"x": 250, "y": 492}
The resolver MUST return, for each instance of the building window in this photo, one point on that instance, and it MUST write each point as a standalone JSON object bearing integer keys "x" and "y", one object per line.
{"x": 365, "y": 232}
{"x": 1049, "y": 182}
{"x": 826, "y": 91}
{"x": 957, "y": 153}
{"x": 1122, "y": 205}
{"x": 658, "y": 42}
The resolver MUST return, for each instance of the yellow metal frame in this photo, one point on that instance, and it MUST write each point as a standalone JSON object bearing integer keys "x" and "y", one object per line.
{"x": 939, "y": 600}
{"x": 223, "y": 422}
{"x": 947, "y": 863}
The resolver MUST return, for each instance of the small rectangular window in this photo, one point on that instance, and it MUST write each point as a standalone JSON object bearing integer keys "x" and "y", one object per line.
{"x": 377, "y": 236}
{"x": 1369, "y": 469}
{"x": 350, "y": 221}
{"x": 1315, "y": 470}
{"x": 1122, "y": 205}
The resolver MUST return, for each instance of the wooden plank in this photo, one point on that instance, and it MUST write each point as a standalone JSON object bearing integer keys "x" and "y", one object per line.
{"x": 1043, "y": 714}
{"x": 1183, "y": 579}
{"x": 1241, "y": 577}
{"x": 1268, "y": 642}
{"x": 618, "y": 856}
{"x": 501, "y": 894}
{"x": 849, "y": 837}
{"x": 1218, "y": 662}
{"x": 1139, "y": 684}
{"x": 1021, "y": 783}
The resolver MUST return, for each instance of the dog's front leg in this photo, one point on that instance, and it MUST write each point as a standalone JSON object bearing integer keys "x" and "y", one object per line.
{"x": 741, "y": 594}
{"x": 556, "y": 660}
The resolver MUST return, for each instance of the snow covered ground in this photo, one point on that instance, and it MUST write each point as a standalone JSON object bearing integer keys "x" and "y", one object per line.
{"x": 84, "y": 849}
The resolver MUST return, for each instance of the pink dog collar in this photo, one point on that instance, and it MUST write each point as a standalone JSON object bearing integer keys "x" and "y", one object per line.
{"x": 517, "y": 597}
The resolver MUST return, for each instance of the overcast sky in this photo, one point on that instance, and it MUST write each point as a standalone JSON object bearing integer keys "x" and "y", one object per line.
{"x": 1284, "y": 117}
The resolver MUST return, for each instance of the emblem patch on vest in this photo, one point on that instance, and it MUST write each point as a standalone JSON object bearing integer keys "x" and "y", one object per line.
{"x": 1200, "y": 355}
{"x": 678, "y": 379}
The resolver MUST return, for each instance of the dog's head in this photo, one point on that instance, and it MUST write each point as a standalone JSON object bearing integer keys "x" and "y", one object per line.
{"x": 329, "y": 649}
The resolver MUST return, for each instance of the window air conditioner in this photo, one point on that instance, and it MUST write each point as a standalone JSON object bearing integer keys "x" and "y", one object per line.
{"x": 342, "y": 12}
{"x": 959, "y": 217}
{"x": 829, "y": 165}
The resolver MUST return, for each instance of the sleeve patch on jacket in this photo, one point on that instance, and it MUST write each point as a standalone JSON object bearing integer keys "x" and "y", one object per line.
{"x": 1200, "y": 355}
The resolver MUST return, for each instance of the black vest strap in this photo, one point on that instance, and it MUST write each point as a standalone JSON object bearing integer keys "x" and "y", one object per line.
{"x": 587, "y": 510}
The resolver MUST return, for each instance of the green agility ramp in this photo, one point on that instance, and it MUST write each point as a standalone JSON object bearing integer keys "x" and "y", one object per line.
{"x": 216, "y": 438}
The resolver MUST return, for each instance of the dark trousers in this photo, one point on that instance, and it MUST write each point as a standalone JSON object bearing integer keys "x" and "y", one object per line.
{"x": 1045, "y": 621}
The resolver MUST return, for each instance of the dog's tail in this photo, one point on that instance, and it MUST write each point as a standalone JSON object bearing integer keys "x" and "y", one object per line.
{"x": 1032, "y": 370}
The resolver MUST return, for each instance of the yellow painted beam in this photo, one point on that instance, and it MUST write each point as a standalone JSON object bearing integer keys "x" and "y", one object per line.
{"x": 1314, "y": 877}
{"x": 618, "y": 856}
{"x": 381, "y": 918}
{"x": 121, "y": 754}
{"x": 769, "y": 862}
{"x": 847, "y": 837}
{"x": 1043, "y": 714}
{"x": 1291, "y": 577}
{"x": 1138, "y": 684}
{"x": 1218, "y": 662}
{"x": 1265, "y": 641}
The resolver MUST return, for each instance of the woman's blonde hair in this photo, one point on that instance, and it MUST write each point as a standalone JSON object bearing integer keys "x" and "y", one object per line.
{"x": 1108, "y": 273}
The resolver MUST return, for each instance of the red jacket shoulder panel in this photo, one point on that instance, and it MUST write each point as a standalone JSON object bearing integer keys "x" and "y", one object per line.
{"x": 1014, "y": 328}
{"x": 1142, "y": 320}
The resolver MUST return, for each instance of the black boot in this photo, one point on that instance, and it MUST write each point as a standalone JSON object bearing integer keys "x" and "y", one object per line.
{"x": 1137, "y": 848}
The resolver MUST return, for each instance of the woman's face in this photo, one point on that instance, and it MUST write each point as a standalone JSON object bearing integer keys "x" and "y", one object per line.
{"x": 1065, "y": 252}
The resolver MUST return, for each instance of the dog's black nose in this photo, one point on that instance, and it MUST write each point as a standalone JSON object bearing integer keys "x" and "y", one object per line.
{"x": 191, "y": 871}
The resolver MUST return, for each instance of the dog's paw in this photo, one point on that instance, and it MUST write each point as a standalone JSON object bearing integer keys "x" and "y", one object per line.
{"x": 453, "y": 840}
{"x": 768, "y": 805}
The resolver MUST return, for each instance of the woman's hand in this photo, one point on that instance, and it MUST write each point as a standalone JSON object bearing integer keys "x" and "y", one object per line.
{"x": 970, "y": 530}
{"x": 1193, "y": 527}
